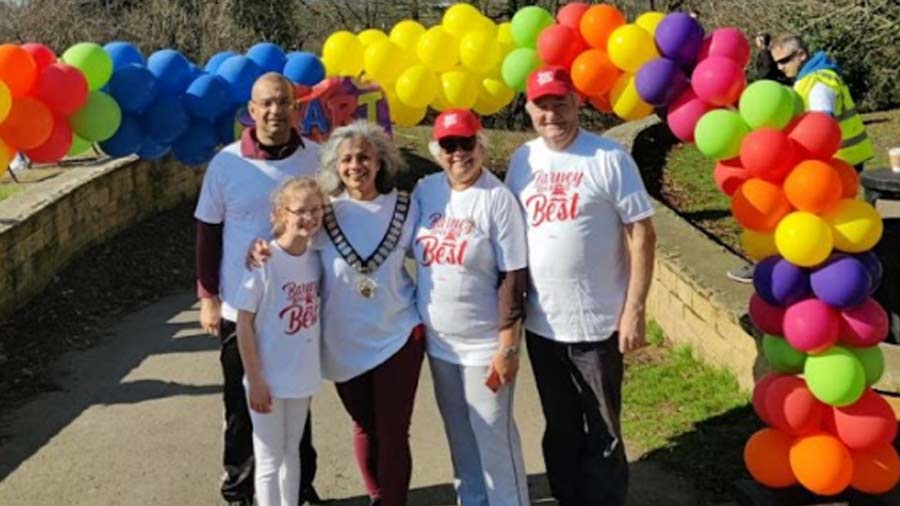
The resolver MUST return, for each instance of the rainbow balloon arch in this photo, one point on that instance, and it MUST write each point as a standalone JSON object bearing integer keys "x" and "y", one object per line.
{"x": 828, "y": 430}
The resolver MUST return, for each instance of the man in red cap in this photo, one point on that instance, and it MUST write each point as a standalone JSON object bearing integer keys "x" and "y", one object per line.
{"x": 590, "y": 257}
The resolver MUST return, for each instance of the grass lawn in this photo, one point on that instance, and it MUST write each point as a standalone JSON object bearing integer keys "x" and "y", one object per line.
{"x": 9, "y": 189}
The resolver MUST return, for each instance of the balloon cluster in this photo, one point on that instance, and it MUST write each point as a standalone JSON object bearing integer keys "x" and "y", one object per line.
{"x": 813, "y": 284}
{"x": 114, "y": 97}
{"x": 455, "y": 64}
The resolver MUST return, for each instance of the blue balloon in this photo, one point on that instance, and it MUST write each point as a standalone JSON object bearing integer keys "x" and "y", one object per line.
{"x": 225, "y": 126}
{"x": 165, "y": 120}
{"x": 133, "y": 87}
{"x": 240, "y": 72}
{"x": 153, "y": 151}
{"x": 127, "y": 139}
{"x": 267, "y": 56}
{"x": 123, "y": 53}
{"x": 172, "y": 71}
{"x": 216, "y": 60}
{"x": 304, "y": 68}
{"x": 196, "y": 72}
{"x": 197, "y": 144}
{"x": 207, "y": 97}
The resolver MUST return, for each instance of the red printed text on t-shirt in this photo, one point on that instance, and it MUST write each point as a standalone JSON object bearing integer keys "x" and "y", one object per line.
{"x": 446, "y": 240}
{"x": 555, "y": 198}
{"x": 302, "y": 310}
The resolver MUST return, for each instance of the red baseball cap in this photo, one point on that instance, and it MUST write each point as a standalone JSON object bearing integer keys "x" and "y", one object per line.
{"x": 455, "y": 123}
{"x": 548, "y": 81}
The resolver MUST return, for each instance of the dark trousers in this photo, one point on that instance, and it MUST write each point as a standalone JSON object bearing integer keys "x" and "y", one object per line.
{"x": 380, "y": 401}
{"x": 238, "y": 455}
{"x": 580, "y": 386}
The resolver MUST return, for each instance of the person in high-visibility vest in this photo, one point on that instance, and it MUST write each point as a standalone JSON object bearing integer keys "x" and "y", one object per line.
{"x": 818, "y": 81}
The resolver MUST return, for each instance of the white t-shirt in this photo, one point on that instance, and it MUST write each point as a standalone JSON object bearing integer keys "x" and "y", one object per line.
{"x": 576, "y": 202}
{"x": 822, "y": 99}
{"x": 237, "y": 191}
{"x": 463, "y": 240}
{"x": 284, "y": 295}
{"x": 360, "y": 333}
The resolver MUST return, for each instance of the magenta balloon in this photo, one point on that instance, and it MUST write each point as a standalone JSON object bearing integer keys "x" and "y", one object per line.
{"x": 660, "y": 81}
{"x": 718, "y": 80}
{"x": 811, "y": 325}
{"x": 729, "y": 43}
{"x": 767, "y": 318}
{"x": 864, "y": 325}
{"x": 679, "y": 37}
{"x": 684, "y": 113}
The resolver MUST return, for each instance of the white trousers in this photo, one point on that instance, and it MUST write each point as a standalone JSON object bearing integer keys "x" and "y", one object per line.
{"x": 276, "y": 451}
{"x": 484, "y": 441}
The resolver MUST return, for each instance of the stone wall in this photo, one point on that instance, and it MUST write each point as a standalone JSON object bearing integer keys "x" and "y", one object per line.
{"x": 52, "y": 221}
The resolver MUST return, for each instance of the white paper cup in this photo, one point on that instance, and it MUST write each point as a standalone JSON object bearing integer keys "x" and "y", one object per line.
{"x": 894, "y": 156}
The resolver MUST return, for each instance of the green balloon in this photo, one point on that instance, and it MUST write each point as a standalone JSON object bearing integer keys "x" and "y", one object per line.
{"x": 781, "y": 356}
{"x": 767, "y": 104}
{"x": 518, "y": 65}
{"x": 93, "y": 61}
{"x": 799, "y": 106}
{"x": 98, "y": 119}
{"x": 872, "y": 360}
{"x": 527, "y": 24}
{"x": 835, "y": 376}
{"x": 79, "y": 145}
{"x": 719, "y": 134}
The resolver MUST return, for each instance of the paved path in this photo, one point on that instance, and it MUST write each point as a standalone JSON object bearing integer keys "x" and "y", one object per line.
{"x": 138, "y": 417}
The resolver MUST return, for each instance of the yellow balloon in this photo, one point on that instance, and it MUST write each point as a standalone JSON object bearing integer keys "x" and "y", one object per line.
{"x": 402, "y": 114}
{"x": 493, "y": 96}
{"x": 804, "y": 239}
{"x": 417, "y": 86}
{"x": 439, "y": 103}
{"x": 383, "y": 61}
{"x": 630, "y": 46}
{"x": 406, "y": 34}
{"x": 5, "y": 103}
{"x": 505, "y": 38}
{"x": 460, "y": 89}
{"x": 438, "y": 49}
{"x": 345, "y": 51}
{"x": 6, "y": 154}
{"x": 461, "y": 18}
{"x": 649, "y": 21}
{"x": 486, "y": 25}
{"x": 856, "y": 225}
{"x": 332, "y": 66}
{"x": 479, "y": 52}
{"x": 370, "y": 36}
{"x": 625, "y": 100}
{"x": 758, "y": 245}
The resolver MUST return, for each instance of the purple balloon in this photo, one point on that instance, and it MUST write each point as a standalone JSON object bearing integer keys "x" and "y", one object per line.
{"x": 843, "y": 282}
{"x": 660, "y": 81}
{"x": 679, "y": 37}
{"x": 780, "y": 282}
{"x": 873, "y": 265}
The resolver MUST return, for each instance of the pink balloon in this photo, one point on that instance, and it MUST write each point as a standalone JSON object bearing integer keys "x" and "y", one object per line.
{"x": 865, "y": 325}
{"x": 768, "y": 318}
{"x": 729, "y": 43}
{"x": 811, "y": 325}
{"x": 41, "y": 54}
{"x": 718, "y": 80}
{"x": 684, "y": 113}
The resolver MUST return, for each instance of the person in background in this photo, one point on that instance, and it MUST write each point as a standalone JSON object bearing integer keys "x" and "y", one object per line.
{"x": 765, "y": 67}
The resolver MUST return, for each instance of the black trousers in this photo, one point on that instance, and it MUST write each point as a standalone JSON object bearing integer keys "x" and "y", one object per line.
{"x": 237, "y": 483}
{"x": 580, "y": 386}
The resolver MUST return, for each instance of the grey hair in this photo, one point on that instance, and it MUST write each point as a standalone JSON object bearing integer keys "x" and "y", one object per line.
{"x": 390, "y": 161}
{"x": 789, "y": 42}
{"x": 435, "y": 149}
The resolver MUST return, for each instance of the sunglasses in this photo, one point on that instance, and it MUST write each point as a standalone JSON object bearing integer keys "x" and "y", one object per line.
{"x": 786, "y": 59}
{"x": 451, "y": 144}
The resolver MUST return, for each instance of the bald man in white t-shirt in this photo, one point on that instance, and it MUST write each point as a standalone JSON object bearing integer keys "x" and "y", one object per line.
{"x": 590, "y": 257}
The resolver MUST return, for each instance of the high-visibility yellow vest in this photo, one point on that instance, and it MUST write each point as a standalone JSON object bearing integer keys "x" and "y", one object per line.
{"x": 856, "y": 147}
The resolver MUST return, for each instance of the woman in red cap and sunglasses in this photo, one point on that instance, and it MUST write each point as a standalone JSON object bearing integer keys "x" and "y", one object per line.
{"x": 471, "y": 269}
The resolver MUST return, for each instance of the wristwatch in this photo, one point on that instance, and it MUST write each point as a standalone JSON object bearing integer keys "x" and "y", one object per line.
{"x": 509, "y": 351}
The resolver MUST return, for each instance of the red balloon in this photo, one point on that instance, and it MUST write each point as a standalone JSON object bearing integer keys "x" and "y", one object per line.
{"x": 28, "y": 124}
{"x": 792, "y": 408}
{"x": 56, "y": 147}
{"x": 63, "y": 88}
{"x": 559, "y": 45}
{"x": 766, "y": 317}
{"x": 768, "y": 154}
{"x": 601, "y": 103}
{"x": 41, "y": 54}
{"x": 876, "y": 471}
{"x": 730, "y": 175}
{"x": 759, "y": 395}
{"x": 849, "y": 178}
{"x": 570, "y": 14}
{"x": 816, "y": 135}
{"x": 866, "y": 424}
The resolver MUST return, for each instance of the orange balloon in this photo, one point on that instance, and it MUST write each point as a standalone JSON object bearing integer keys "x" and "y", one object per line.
{"x": 766, "y": 456}
{"x": 601, "y": 103}
{"x": 17, "y": 69}
{"x": 598, "y": 22}
{"x": 849, "y": 178}
{"x": 593, "y": 73}
{"x": 759, "y": 205}
{"x": 813, "y": 186}
{"x": 822, "y": 464}
{"x": 28, "y": 124}
{"x": 876, "y": 471}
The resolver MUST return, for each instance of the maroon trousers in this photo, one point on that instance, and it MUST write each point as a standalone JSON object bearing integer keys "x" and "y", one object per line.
{"x": 380, "y": 401}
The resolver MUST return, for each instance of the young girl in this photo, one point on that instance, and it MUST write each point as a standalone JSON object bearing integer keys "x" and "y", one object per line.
{"x": 278, "y": 338}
